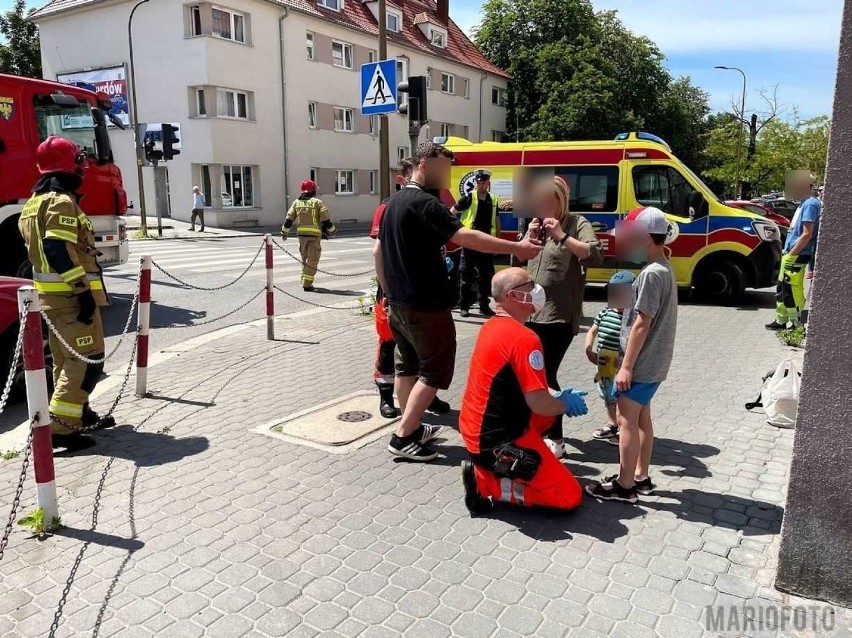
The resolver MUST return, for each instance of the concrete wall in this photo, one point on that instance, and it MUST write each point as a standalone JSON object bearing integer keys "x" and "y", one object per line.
{"x": 816, "y": 537}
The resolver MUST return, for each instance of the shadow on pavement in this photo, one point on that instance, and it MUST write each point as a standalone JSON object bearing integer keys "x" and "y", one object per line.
{"x": 159, "y": 397}
{"x": 146, "y": 449}
{"x": 339, "y": 293}
{"x": 751, "y": 517}
{"x": 99, "y": 538}
{"x": 115, "y": 316}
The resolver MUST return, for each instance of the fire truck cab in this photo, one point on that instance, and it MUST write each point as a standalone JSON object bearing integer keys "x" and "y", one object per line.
{"x": 30, "y": 111}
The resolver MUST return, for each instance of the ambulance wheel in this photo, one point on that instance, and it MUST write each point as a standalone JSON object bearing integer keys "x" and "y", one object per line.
{"x": 721, "y": 281}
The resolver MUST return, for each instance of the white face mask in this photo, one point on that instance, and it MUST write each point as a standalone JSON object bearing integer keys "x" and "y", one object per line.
{"x": 536, "y": 297}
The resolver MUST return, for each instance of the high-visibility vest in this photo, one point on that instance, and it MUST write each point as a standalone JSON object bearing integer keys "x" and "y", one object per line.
{"x": 469, "y": 216}
{"x": 56, "y": 215}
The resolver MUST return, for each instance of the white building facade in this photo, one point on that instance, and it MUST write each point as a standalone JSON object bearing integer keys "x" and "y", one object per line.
{"x": 268, "y": 94}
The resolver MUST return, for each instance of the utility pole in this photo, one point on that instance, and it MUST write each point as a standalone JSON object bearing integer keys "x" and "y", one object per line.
{"x": 384, "y": 134}
{"x": 741, "y": 120}
{"x": 140, "y": 153}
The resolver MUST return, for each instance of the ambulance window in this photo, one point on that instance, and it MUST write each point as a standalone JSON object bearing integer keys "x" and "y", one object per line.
{"x": 663, "y": 187}
{"x": 594, "y": 189}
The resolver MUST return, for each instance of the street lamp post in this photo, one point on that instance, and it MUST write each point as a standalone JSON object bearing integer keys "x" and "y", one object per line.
{"x": 135, "y": 121}
{"x": 741, "y": 118}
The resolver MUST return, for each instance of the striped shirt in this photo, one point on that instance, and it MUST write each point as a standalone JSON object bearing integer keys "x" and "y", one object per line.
{"x": 608, "y": 322}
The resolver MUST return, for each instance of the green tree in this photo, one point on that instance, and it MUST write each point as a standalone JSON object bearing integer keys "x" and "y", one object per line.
{"x": 20, "y": 53}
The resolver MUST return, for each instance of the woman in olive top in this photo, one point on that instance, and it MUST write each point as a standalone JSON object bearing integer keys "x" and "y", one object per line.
{"x": 570, "y": 246}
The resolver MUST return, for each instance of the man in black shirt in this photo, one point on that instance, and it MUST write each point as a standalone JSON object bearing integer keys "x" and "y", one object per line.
{"x": 412, "y": 272}
{"x": 478, "y": 210}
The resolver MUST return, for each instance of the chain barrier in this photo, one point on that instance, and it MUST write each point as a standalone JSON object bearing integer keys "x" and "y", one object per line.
{"x": 363, "y": 306}
{"x": 212, "y": 288}
{"x": 320, "y": 270}
{"x": 219, "y": 318}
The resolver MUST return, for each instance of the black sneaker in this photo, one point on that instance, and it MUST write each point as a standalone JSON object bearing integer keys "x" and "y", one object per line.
{"x": 464, "y": 312}
{"x": 644, "y": 487}
{"x": 608, "y": 431}
{"x": 388, "y": 410}
{"x": 775, "y": 326}
{"x": 612, "y": 491}
{"x": 308, "y": 288}
{"x": 486, "y": 311}
{"x": 475, "y": 503}
{"x": 410, "y": 448}
{"x": 438, "y": 406}
{"x": 428, "y": 432}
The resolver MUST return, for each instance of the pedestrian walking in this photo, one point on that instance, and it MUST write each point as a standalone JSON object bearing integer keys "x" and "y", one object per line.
{"x": 412, "y": 271}
{"x": 477, "y": 210}
{"x": 313, "y": 224}
{"x": 798, "y": 254}
{"x": 570, "y": 246}
{"x": 60, "y": 245}
{"x": 384, "y": 373}
{"x": 647, "y": 338}
{"x": 507, "y": 407}
{"x": 198, "y": 205}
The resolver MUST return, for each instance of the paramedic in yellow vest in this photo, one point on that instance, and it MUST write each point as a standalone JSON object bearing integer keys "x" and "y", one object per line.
{"x": 61, "y": 247}
{"x": 477, "y": 210}
{"x": 313, "y": 224}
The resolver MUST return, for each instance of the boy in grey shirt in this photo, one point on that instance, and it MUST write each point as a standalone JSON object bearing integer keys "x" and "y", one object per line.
{"x": 647, "y": 338}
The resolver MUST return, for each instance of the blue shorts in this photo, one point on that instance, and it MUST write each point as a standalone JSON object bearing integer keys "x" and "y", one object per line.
{"x": 641, "y": 393}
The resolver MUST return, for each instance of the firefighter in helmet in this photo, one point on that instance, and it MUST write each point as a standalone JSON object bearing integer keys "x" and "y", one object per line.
{"x": 313, "y": 223}
{"x": 61, "y": 247}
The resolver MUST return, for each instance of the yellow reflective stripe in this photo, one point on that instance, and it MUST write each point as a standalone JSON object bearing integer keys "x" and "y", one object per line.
{"x": 63, "y": 408}
{"x": 59, "y": 286}
{"x": 96, "y": 284}
{"x": 75, "y": 273}
{"x": 42, "y": 265}
{"x": 307, "y": 230}
{"x": 62, "y": 235}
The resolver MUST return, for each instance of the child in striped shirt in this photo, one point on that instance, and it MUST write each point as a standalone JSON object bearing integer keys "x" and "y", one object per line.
{"x": 603, "y": 348}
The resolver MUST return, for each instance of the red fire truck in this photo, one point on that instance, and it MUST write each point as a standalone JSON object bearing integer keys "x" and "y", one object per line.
{"x": 30, "y": 110}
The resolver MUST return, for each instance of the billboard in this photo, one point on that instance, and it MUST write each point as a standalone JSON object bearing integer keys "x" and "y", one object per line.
{"x": 110, "y": 80}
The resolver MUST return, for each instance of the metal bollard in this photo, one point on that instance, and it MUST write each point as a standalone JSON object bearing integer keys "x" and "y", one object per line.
{"x": 270, "y": 301}
{"x": 38, "y": 405}
{"x": 144, "y": 326}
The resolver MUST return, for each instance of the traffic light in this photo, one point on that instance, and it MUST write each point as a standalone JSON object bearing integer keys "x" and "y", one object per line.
{"x": 414, "y": 104}
{"x": 170, "y": 140}
{"x": 151, "y": 153}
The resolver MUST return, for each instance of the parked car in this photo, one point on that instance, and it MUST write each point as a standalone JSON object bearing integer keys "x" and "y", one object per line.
{"x": 9, "y": 328}
{"x": 785, "y": 207}
{"x": 763, "y": 209}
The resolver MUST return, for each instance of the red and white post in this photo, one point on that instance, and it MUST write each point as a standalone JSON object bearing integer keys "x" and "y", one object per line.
{"x": 270, "y": 301}
{"x": 144, "y": 326}
{"x": 38, "y": 405}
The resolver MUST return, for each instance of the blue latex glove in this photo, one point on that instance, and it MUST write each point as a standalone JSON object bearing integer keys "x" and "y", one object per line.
{"x": 575, "y": 405}
{"x": 449, "y": 263}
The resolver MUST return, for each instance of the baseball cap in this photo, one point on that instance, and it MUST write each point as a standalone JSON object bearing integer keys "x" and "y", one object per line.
{"x": 649, "y": 220}
{"x": 622, "y": 277}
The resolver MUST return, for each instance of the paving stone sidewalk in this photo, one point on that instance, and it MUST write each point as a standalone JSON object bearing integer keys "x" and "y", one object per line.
{"x": 184, "y": 522}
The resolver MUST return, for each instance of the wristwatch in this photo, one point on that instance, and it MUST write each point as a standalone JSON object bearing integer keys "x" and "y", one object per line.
{"x": 563, "y": 240}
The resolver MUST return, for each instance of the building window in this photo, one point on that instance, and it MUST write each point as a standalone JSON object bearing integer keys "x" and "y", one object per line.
{"x": 231, "y": 104}
{"x": 373, "y": 122}
{"x": 445, "y": 130}
{"x": 206, "y": 185}
{"x": 374, "y": 182}
{"x": 497, "y": 136}
{"x": 195, "y": 20}
{"x": 401, "y": 153}
{"x": 466, "y": 88}
{"x": 343, "y": 119}
{"x": 345, "y": 184}
{"x": 341, "y": 54}
{"x": 371, "y": 56}
{"x": 438, "y": 37}
{"x": 237, "y": 186}
{"x": 498, "y": 96}
{"x": 229, "y": 25}
{"x": 429, "y": 77}
{"x": 334, "y": 5}
{"x": 200, "y": 105}
{"x": 312, "y": 175}
{"x": 448, "y": 83}
{"x": 309, "y": 37}
{"x": 312, "y": 114}
{"x": 393, "y": 21}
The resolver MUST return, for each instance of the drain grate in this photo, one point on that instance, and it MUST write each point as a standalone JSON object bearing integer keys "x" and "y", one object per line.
{"x": 354, "y": 416}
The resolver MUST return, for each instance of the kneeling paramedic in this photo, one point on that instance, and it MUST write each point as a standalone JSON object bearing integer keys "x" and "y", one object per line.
{"x": 507, "y": 407}
{"x": 61, "y": 247}
{"x": 313, "y": 223}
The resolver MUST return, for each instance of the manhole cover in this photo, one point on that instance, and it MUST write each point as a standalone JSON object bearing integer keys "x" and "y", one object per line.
{"x": 354, "y": 416}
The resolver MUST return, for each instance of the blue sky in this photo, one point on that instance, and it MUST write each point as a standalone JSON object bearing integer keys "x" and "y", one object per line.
{"x": 788, "y": 43}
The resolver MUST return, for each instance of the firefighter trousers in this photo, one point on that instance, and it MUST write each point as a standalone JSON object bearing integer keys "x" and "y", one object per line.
{"x": 310, "y": 249}
{"x": 552, "y": 486}
{"x": 790, "y": 292}
{"x": 73, "y": 380}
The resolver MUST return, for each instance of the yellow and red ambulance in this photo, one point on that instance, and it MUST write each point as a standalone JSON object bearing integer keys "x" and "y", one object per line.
{"x": 717, "y": 249}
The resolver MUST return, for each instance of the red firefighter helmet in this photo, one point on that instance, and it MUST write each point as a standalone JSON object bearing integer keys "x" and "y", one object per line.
{"x": 309, "y": 186}
{"x": 58, "y": 155}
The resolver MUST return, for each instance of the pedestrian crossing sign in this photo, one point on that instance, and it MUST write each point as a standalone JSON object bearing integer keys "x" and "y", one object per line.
{"x": 378, "y": 87}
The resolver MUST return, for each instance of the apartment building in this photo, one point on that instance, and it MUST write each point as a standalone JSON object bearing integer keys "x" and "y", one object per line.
{"x": 267, "y": 93}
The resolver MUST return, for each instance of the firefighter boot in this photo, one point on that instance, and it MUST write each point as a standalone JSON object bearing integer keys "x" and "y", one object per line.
{"x": 72, "y": 442}
{"x": 386, "y": 407}
{"x": 93, "y": 421}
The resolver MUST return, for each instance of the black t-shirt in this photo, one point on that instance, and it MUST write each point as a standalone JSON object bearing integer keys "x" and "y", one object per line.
{"x": 484, "y": 210}
{"x": 415, "y": 227}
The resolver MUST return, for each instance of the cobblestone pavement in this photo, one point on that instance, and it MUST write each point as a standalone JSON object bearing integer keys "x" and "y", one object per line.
{"x": 185, "y": 522}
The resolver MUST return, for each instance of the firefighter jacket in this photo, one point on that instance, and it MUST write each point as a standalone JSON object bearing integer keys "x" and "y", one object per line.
{"x": 311, "y": 218}
{"x": 55, "y": 215}
{"x": 468, "y": 215}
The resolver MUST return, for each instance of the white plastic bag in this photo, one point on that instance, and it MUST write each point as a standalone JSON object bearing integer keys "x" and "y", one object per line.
{"x": 780, "y": 395}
